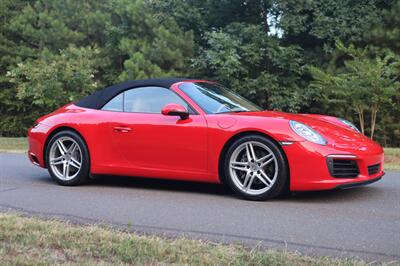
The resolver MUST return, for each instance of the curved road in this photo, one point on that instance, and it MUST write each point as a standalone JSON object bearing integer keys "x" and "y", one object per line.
{"x": 362, "y": 222}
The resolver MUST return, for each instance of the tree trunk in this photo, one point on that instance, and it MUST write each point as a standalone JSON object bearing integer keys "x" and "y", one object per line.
{"x": 374, "y": 111}
{"x": 264, "y": 16}
{"x": 360, "y": 111}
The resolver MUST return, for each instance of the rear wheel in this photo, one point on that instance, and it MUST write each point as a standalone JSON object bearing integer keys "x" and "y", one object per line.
{"x": 67, "y": 158}
{"x": 255, "y": 168}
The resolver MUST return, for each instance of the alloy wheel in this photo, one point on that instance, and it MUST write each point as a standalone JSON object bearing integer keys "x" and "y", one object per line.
{"x": 65, "y": 158}
{"x": 253, "y": 167}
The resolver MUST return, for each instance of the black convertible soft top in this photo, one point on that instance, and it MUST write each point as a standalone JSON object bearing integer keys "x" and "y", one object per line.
{"x": 99, "y": 98}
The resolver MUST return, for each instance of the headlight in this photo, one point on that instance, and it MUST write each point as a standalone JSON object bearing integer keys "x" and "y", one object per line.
{"x": 349, "y": 124}
{"x": 35, "y": 125}
{"x": 307, "y": 133}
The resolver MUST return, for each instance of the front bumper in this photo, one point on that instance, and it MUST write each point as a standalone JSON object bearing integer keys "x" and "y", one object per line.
{"x": 357, "y": 184}
{"x": 36, "y": 140}
{"x": 309, "y": 168}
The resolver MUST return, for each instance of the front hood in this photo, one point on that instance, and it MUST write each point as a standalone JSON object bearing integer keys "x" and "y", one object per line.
{"x": 337, "y": 135}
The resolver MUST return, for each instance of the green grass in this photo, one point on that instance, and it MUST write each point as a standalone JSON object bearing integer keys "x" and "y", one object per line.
{"x": 31, "y": 241}
{"x": 392, "y": 158}
{"x": 392, "y": 155}
{"x": 13, "y": 144}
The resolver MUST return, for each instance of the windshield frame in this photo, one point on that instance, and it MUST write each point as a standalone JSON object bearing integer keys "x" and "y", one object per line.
{"x": 234, "y": 99}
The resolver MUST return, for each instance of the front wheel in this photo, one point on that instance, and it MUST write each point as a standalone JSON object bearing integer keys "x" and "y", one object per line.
{"x": 67, "y": 158}
{"x": 255, "y": 168}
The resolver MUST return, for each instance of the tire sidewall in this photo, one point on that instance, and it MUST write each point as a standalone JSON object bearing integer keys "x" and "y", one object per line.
{"x": 281, "y": 180}
{"x": 83, "y": 174}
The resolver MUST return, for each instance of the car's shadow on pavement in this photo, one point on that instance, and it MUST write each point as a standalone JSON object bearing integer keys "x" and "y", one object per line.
{"x": 159, "y": 184}
{"x": 354, "y": 194}
{"x": 337, "y": 195}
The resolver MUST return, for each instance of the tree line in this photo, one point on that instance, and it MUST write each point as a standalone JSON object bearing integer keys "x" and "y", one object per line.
{"x": 336, "y": 57}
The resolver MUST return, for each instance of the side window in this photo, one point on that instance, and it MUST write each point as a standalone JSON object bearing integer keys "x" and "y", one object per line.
{"x": 115, "y": 104}
{"x": 150, "y": 100}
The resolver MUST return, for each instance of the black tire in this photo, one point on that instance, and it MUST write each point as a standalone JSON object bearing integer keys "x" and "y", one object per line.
{"x": 280, "y": 184}
{"x": 82, "y": 175}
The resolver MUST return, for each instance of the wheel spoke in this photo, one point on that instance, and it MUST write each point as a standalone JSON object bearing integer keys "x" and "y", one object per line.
{"x": 262, "y": 179}
{"x": 240, "y": 168}
{"x": 266, "y": 157}
{"x": 266, "y": 162}
{"x": 74, "y": 163}
{"x": 240, "y": 163}
{"x": 72, "y": 148}
{"x": 248, "y": 185}
{"x": 61, "y": 147}
{"x": 65, "y": 170}
{"x": 248, "y": 153}
{"x": 252, "y": 153}
{"x": 265, "y": 176}
{"x": 246, "y": 179}
{"x": 57, "y": 161}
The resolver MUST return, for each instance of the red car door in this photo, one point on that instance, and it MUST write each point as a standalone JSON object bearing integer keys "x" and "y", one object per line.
{"x": 151, "y": 141}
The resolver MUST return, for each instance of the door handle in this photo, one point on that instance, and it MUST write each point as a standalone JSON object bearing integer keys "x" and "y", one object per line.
{"x": 122, "y": 129}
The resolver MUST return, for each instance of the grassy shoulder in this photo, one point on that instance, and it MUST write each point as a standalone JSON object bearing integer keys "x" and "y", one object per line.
{"x": 20, "y": 145}
{"x": 17, "y": 145}
{"x": 31, "y": 241}
{"x": 392, "y": 159}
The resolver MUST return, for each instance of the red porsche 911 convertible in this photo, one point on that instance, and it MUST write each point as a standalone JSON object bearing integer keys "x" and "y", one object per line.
{"x": 198, "y": 130}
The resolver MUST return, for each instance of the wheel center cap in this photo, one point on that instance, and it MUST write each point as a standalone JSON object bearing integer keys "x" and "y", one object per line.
{"x": 253, "y": 167}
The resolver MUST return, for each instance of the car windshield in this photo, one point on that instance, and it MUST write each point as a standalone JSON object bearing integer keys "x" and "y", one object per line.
{"x": 215, "y": 99}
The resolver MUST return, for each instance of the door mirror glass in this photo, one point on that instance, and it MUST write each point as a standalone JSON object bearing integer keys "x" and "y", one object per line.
{"x": 174, "y": 109}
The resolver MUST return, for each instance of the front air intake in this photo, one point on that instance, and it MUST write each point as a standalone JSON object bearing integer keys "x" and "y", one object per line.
{"x": 373, "y": 169}
{"x": 343, "y": 168}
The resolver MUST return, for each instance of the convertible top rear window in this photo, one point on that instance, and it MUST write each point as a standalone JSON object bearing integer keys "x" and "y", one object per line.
{"x": 99, "y": 98}
{"x": 144, "y": 100}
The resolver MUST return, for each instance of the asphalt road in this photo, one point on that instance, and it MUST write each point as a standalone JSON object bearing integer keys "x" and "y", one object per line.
{"x": 362, "y": 222}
